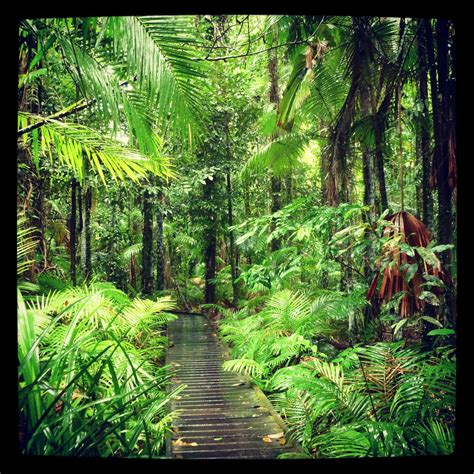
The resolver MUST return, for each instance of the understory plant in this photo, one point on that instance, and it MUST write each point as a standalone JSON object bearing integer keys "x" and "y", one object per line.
{"x": 382, "y": 399}
{"x": 90, "y": 373}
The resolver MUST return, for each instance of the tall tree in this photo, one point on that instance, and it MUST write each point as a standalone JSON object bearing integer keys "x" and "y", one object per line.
{"x": 86, "y": 261}
{"x": 72, "y": 231}
{"x": 210, "y": 241}
{"x": 423, "y": 129}
{"x": 160, "y": 246}
{"x": 147, "y": 249}
{"x": 442, "y": 162}
{"x": 274, "y": 97}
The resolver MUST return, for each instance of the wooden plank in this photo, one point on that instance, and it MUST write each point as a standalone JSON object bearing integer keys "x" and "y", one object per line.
{"x": 221, "y": 413}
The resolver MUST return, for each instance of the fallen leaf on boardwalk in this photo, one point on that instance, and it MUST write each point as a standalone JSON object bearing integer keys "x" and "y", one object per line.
{"x": 267, "y": 439}
{"x": 217, "y": 439}
{"x": 214, "y": 334}
{"x": 180, "y": 442}
{"x": 282, "y": 441}
{"x": 237, "y": 384}
{"x": 276, "y": 435}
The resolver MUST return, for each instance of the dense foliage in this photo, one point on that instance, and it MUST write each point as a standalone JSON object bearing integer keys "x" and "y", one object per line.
{"x": 292, "y": 176}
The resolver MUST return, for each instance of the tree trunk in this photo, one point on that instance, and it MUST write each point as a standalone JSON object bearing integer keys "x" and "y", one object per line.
{"x": 423, "y": 132}
{"x": 211, "y": 243}
{"x": 275, "y": 182}
{"x": 289, "y": 188}
{"x": 379, "y": 132}
{"x": 147, "y": 249}
{"x": 442, "y": 166}
{"x": 86, "y": 232}
{"x": 276, "y": 206}
{"x": 160, "y": 246}
{"x": 367, "y": 157}
{"x": 72, "y": 232}
{"x": 232, "y": 256}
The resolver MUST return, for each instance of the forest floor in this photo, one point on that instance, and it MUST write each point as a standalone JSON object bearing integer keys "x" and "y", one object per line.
{"x": 222, "y": 414}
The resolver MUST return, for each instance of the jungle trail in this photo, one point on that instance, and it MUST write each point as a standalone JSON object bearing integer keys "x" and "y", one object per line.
{"x": 236, "y": 237}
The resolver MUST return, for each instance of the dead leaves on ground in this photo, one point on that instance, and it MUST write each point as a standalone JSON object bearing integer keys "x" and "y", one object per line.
{"x": 275, "y": 437}
{"x": 180, "y": 442}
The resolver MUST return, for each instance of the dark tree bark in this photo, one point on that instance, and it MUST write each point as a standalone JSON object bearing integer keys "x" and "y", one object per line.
{"x": 289, "y": 188}
{"x": 147, "y": 249}
{"x": 441, "y": 125}
{"x": 211, "y": 243}
{"x": 275, "y": 182}
{"x": 423, "y": 133}
{"x": 232, "y": 255}
{"x": 72, "y": 232}
{"x": 367, "y": 156}
{"x": 160, "y": 246}
{"x": 276, "y": 206}
{"x": 442, "y": 166}
{"x": 88, "y": 205}
{"x": 379, "y": 132}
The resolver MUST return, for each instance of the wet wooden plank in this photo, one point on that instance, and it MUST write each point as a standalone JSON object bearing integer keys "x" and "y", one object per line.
{"x": 221, "y": 415}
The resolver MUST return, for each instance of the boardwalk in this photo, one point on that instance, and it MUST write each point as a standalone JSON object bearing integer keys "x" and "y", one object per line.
{"x": 222, "y": 415}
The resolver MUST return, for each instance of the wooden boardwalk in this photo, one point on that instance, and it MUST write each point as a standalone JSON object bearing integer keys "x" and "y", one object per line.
{"x": 221, "y": 414}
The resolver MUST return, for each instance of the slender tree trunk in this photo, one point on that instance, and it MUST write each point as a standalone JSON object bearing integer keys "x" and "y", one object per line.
{"x": 86, "y": 232}
{"x": 379, "y": 132}
{"x": 367, "y": 157}
{"x": 443, "y": 176}
{"x": 442, "y": 168}
{"x": 440, "y": 171}
{"x": 211, "y": 243}
{"x": 276, "y": 206}
{"x": 232, "y": 256}
{"x": 147, "y": 249}
{"x": 289, "y": 188}
{"x": 423, "y": 134}
{"x": 275, "y": 182}
{"x": 160, "y": 246}
{"x": 72, "y": 232}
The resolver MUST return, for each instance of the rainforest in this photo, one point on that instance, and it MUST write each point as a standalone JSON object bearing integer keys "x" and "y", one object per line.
{"x": 236, "y": 236}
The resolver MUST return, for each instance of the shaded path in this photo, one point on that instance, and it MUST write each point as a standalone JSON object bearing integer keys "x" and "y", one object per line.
{"x": 222, "y": 415}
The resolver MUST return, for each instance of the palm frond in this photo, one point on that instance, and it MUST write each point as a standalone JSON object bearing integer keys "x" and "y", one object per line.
{"x": 74, "y": 144}
{"x": 158, "y": 50}
{"x": 26, "y": 244}
{"x": 280, "y": 155}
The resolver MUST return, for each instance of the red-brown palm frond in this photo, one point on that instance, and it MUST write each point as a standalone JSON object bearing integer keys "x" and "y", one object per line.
{"x": 414, "y": 233}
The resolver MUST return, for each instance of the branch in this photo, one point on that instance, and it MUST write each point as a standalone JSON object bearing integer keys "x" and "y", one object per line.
{"x": 80, "y": 105}
{"x": 72, "y": 109}
{"x": 223, "y": 58}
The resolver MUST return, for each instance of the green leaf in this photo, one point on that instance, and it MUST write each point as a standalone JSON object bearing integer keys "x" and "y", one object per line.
{"x": 442, "y": 248}
{"x": 432, "y": 320}
{"x": 396, "y": 327}
{"x": 441, "y": 332}
{"x": 431, "y": 298}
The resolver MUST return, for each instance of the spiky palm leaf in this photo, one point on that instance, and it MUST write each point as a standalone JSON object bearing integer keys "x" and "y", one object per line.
{"x": 158, "y": 50}
{"x": 280, "y": 155}
{"x": 25, "y": 244}
{"x": 73, "y": 143}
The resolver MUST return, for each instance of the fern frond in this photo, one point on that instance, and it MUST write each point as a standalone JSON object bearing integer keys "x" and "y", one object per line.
{"x": 244, "y": 366}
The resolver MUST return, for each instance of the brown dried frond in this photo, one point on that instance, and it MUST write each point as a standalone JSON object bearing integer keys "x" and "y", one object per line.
{"x": 413, "y": 232}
